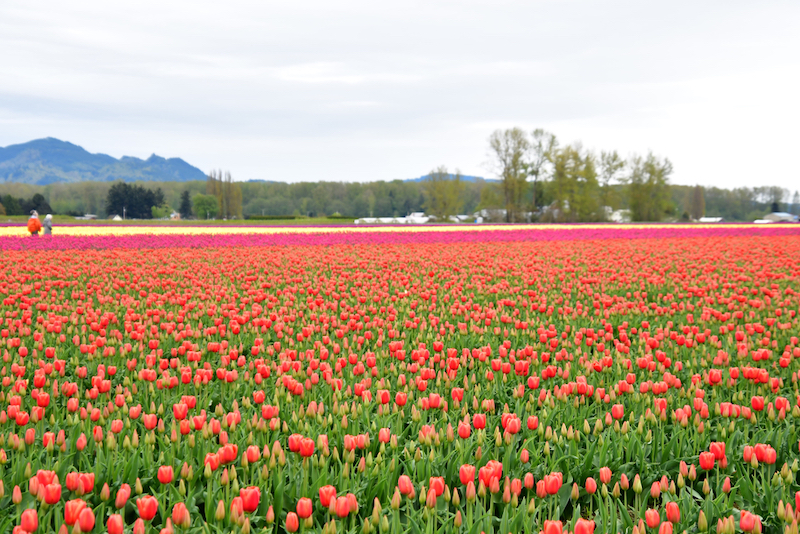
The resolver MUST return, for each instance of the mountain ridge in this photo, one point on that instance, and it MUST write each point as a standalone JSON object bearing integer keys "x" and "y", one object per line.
{"x": 50, "y": 160}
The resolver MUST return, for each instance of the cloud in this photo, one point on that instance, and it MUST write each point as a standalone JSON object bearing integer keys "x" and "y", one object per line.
{"x": 357, "y": 90}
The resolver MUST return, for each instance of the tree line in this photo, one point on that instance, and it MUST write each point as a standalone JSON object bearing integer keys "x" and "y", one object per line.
{"x": 542, "y": 180}
{"x": 536, "y": 178}
{"x": 10, "y": 205}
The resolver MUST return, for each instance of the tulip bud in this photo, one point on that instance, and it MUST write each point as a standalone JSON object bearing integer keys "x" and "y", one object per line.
{"x": 220, "y": 512}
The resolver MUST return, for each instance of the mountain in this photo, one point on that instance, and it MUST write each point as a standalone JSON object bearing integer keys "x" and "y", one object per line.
{"x": 47, "y": 161}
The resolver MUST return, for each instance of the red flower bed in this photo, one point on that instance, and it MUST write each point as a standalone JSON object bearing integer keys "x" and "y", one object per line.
{"x": 457, "y": 385}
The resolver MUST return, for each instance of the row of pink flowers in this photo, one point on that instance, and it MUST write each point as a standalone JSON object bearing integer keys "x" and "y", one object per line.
{"x": 468, "y": 235}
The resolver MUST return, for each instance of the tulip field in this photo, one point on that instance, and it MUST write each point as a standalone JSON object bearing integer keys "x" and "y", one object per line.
{"x": 509, "y": 379}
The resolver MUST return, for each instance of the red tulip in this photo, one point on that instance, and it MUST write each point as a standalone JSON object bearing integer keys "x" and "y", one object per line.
{"x": 326, "y": 493}
{"x": 46, "y": 477}
{"x": 553, "y": 527}
{"x": 150, "y": 420}
{"x": 115, "y": 525}
{"x": 466, "y": 474}
{"x": 707, "y": 461}
{"x": 180, "y": 515}
{"x": 52, "y": 493}
{"x": 86, "y": 520}
{"x": 237, "y": 507}
{"x": 528, "y": 480}
{"x": 404, "y": 485}
{"x": 292, "y": 522}
{"x": 718, "y": 449}
{"x": 228, "y": 453}
{"x": 165, "y": 474}
{"x": 253, "y": 454}
{"x": 72, "y": 511}
{"x": 352, "y": 502}
{"x": 747, "y": 521}
{"x": 605, "y": 475}
{"x": 479, "y": 421}
{"x": 180, "y": 410}
{"x": 30, "y": 520}
{"x": 584, "y": 526}
{"x": 294, "y": 442}
{"x": 665, "y": 528}
{"x": 306, "y": 447}
{"x": 618, "y": 411}
{"x": 591, "y": 486}
{"x": 147, "y": 506}
{"x": 652, "y": 518}
{"x": 552, "y": 483}
{"x": 673, "y": 512}
{"x": 251, "y": 496}
{"x": 212, "y": 460}
{"x": 305, "y": 508}
{"x": 757, "y": 403}
{"x": 123, "y": 494}
{"x": 437, "y": 484}
{"x": 342, "y": 507}
{"x": 533, "y": 422}
{"x": 464, "y": 430}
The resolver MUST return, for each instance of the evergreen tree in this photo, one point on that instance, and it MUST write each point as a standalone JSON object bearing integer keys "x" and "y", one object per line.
{"x": 132, "y": 201}
{"x": 697, "y": 205}
{"x": 185, "y": 208}
{"x": 12, "y": 206}
{"x": 40, "y": 204}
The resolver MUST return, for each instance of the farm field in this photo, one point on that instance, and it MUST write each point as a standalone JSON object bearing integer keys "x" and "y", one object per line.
{"x": 586, "y": 378}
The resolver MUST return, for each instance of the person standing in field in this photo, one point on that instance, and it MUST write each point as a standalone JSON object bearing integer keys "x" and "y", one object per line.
{"x": 48, "y": 225}
{"x": 33, "y": 224}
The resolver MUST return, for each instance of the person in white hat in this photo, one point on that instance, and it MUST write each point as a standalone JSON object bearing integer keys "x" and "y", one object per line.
{"x": 47, "y": 225}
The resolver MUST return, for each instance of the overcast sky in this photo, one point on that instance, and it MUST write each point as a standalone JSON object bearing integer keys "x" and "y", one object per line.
{"x": 357, "y": 91}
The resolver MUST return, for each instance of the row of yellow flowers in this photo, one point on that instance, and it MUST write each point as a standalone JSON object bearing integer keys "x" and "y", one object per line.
{"x": 124, "y": 230}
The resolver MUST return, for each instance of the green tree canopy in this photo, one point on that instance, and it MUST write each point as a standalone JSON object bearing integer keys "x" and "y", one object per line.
{"x": 443, "y": 193}
{"x": 205, "y": 206}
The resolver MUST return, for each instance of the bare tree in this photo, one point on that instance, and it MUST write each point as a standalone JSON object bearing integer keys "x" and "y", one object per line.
{"x": 611, "y": 165}
{"x": 541, "y": 147}
{"x": 227, "y": 192}
{"x": 509, "y": 149}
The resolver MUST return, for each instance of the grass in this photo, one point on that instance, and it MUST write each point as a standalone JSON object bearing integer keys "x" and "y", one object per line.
{"x": 66, "y": 219}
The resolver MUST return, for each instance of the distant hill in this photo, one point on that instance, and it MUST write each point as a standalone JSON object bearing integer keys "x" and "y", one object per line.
{"x": 47, "y": 161}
